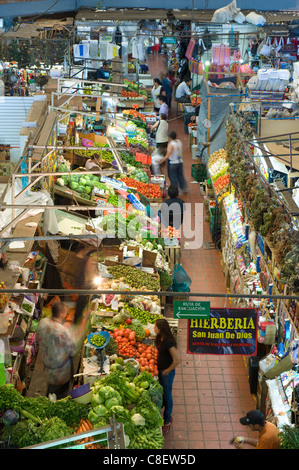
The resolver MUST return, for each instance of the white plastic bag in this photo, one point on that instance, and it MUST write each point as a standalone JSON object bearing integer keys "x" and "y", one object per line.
{"x": 266, "y": 48}
{"x": 239, "y": 18}
{"x": 254, "y": 18}
{"x": 226, "y": 14}
{"x": 156, "y": 159}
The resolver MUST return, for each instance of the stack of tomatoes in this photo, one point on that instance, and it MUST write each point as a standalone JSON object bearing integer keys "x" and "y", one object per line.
{"x": 126, "y": 341}
{"x": 130, "y": 94}
{"x": 151, "y": 191}
{"x": 145, "y": 354}
{"x": 147, "y": 357}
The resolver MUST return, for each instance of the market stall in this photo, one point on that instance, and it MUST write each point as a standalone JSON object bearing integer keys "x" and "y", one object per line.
{"x": 116, "y": 393}
{"x": 254, "y": 260}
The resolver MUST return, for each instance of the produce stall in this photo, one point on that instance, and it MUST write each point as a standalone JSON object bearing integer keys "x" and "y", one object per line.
{"x": 116, "y": 398}
{"x": 258, "y": 246}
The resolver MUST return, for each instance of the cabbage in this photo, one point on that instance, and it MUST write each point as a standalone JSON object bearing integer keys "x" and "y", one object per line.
{"x": 80, "y": 188}
{"x": 121, "y": 414}
{"x": 10, "y": 417}
{"x": 92, "y": 416}
{"x": 100, "y": 423}
{"x": 60, "y": 181}
{"x": 111, "y": 402}
{"x": 100, "y": 410}
{"x": 73, "y": 185}
{"x": 63, "y": 168}
{"x": 88, "y": 189}
{"x": 97, "y": 400}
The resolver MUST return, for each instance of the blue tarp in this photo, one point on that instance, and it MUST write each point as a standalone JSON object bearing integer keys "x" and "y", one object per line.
{"x": 219, "y": 111}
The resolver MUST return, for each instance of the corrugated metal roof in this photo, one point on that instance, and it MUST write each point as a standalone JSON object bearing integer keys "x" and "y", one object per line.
{"x": 13, "y": 112}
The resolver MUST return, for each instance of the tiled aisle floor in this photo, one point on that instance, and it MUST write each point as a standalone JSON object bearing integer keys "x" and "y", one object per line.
{"x": 210, "y": 392}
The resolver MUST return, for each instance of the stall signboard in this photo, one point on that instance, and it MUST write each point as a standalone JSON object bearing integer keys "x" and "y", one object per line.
{"x": 227, "y": 331}
{"x": 191, "y": 309}
{"x": 169, "y": 40}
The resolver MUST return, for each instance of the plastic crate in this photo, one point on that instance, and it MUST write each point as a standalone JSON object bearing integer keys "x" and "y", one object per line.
{"x": 199, "y": 172}
{"x": 215, "y": 219}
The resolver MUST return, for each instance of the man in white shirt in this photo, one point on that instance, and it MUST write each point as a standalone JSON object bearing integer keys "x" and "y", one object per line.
{"x": 183, "y": 91}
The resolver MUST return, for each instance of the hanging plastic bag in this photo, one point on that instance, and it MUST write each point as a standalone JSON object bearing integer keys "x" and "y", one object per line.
{"x": 181, "y": 280}
{"x": 266, "y": 48}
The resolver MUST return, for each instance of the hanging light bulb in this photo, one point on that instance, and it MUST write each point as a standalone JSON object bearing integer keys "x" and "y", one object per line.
{"x": 207, "y": 62}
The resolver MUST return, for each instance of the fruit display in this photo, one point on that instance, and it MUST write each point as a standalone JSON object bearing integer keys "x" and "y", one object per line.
{"x": 147, "y": 356}
{"x": 218, "y": 163}
{"x": 195, "y": 100}
{"x": 131, "y": 94}
{"x": 125, "y": 340}
{"x": 151, "y": 191}
{"x": 139, "y": 139}
{"x": 133, "y": 113}
{"x": 143, "y": 316}
{"x": 135, "y": 87}
{"x": 221, "y": 183}
{"x": 170, "y": 232}
{"x": 134, "y": 277}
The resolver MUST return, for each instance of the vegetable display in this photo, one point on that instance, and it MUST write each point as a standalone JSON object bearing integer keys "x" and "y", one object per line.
{"x": 151, "y": 191}
{"x": 143, "y": 316}
{"x": 139, "y": 410}
{"x": 40, "y": 419}
{"x": 134, "y": 277}
{"x": 97, "y": 340}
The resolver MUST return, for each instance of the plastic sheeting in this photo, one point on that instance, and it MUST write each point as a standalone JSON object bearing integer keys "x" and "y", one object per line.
{"x": 219, "y": 111}
{"x": 30, "y": 198}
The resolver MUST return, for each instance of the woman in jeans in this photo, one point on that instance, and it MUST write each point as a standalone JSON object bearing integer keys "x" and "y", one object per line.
{"x": 175, "y": 162}
{"x": 168, "y": 359}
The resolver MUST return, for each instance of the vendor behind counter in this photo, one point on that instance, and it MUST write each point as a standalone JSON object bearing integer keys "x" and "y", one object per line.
{"x": 103, "y": 72}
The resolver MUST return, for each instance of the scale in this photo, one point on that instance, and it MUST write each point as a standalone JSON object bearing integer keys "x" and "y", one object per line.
{"x": 100, "y": 358}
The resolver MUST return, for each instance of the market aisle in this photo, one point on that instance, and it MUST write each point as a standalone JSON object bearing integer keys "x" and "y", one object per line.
{"x": 210, "y": 393}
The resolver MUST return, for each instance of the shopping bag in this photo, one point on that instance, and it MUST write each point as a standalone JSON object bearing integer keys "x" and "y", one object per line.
{"x": 266, "y": 48}
{"x": 290, "y": 45}
{"x": 181, "y": 280}
{"x": 190, "y": 48}
{"x": 221, "y": 55}
{"x": 196, "y": 67}
{"x": 245, "y": 68}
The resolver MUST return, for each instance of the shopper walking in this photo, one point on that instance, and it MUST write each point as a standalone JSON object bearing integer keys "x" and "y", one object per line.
{"x": 172, "y": 210}
{"x": 58, "y": 344}
{"x": 161, "y": 128}
{"x": 168, "y": 359}
{"x": 268, "y": 433}
{"x": 155, "y": 92}
{"x": 163, "y": 105}
{"x": 167, "y": 85}
{"x": 175, "y": 162}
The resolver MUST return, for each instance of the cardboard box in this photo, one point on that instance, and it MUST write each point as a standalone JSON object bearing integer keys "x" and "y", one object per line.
{"x": 100, "y": 139}
{"x": 262, "y": 388}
